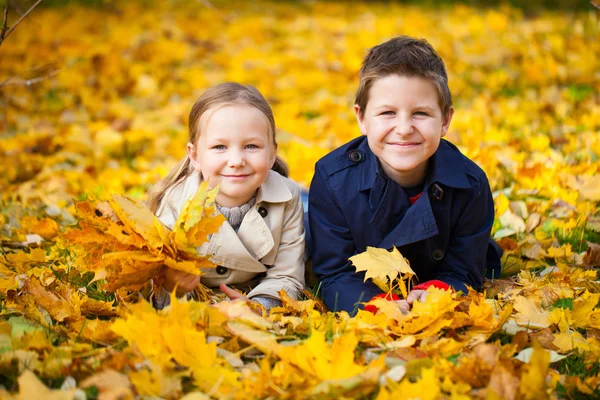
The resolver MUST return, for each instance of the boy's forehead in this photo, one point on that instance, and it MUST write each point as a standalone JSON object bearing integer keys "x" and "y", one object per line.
{"x": 395, "y": 86}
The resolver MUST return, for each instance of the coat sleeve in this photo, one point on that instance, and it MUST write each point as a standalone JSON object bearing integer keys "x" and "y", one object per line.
{"x": 332, "y": 245}
{"x": 465, "y": 257}
{"x": 287, "y": 272}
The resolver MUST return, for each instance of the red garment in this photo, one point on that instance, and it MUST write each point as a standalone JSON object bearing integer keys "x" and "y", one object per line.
{"x": 392, "y": 297}
{"x": 414, "y": 198}
{"x": 435, "y": 283}
{"x": 387, "y": 296}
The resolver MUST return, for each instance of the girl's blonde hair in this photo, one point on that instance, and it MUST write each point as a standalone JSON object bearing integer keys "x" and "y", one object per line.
{"x": 217, "y": 96}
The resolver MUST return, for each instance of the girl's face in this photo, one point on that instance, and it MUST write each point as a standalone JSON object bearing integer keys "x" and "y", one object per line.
{"x": 234, "y": 149}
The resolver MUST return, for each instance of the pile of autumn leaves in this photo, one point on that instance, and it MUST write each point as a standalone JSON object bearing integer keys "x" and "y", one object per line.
{"x": 500, "y": 344}
{"x": 74, "y": 318}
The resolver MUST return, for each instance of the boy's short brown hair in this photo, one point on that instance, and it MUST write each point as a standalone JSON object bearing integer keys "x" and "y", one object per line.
{"x": 405, "y": 56}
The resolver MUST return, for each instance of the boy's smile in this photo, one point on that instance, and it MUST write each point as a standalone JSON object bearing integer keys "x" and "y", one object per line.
{"x": 403, "y": 123}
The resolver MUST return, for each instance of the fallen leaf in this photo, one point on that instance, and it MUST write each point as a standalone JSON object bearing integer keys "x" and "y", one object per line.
{"x": 592, "y": 255}
{"x": 30, "y": 388}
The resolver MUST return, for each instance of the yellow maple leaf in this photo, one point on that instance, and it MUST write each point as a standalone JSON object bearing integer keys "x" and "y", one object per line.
{"x": 141, "y": 220}
{"x": 197, "y": 220}
{"x": 530, "y": 314}
{"x": 382, "y": 265}
{"x": 428, "y": 387}
{"x": 533, "y": 379}
{"x": 316, "y": 357}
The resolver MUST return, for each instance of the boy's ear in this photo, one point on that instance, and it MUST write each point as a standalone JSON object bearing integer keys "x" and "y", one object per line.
{"x": 447, "y": 120}
{"x": 193, "y": 156}
{"x": 360, "y": 119}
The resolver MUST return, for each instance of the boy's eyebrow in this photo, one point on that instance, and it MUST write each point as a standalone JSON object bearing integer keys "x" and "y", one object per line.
{"x": 417, "y": 106}
{"x": 426, "y": 107}
{"x": 384, "y": 106}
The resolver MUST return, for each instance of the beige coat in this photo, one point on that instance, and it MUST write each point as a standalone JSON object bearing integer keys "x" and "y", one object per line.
{"x": 269, "y": 247}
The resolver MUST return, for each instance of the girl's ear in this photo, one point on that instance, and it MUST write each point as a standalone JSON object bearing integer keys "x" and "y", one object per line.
{"x": 447, "y": 120}
{"x": 360, "y": 119}
{"x": 193, "y": 156}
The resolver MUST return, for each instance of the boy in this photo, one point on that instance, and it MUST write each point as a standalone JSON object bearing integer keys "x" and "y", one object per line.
{"x": 400, "y": 185}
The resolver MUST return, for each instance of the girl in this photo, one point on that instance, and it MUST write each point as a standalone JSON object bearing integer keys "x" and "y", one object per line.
{"x": 260, "y": 247}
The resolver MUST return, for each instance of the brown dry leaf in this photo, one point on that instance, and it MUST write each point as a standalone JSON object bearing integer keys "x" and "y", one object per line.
{"x": 532, "y": 222}
{"x": 31, "y": 388}
{"x": 112, "y": 385}
{"x": 240, "y": 311}
{"x": 545, "y": 338}
{"x": 521, "y": 339}
{"x": 504, "y": 383}
{"x": 588, "y": 186}
{"x": 592, "y": 255}
{"x": 295, "y": 305}
{"x": 265, "y": 342}
{"x": 508, "y": 244}
{"x": 57, "y": 307}
{"x": 593, "y": 223}
{"x": 487, "y": 353}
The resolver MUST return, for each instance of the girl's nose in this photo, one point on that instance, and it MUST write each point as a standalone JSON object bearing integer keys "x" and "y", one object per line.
{"x": 236, "y": 159}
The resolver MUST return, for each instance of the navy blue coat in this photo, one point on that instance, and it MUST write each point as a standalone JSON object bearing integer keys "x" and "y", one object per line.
{"x": 445, "y": 234}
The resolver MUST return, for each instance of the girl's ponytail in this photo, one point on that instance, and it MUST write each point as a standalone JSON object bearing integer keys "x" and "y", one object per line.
{"x": 175, "y": 176}
{"x": 281, "y": 167}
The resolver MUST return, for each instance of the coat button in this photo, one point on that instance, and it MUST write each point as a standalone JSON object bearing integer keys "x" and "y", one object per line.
{"x": 355, "y": 156}
{"x": 437, "y": 254}
{"x": 437, "y": 192}
{"x": 263, "y": 212}
{"x": 221, "y": 270}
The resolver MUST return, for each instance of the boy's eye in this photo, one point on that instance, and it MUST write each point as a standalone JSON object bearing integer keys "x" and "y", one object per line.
{"x": 421, "y": 113}
{"x": 387, "y": 113}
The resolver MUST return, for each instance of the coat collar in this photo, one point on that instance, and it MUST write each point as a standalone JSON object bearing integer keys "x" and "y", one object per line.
{"x": 274, "y": 190}
{"x": 444, "y": 167}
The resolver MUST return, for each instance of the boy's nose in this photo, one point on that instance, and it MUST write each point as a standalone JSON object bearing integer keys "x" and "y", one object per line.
{"x": 404, "y": 126}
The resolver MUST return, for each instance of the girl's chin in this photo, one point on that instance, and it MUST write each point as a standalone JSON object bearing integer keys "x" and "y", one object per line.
{"x": 234, "y": 199}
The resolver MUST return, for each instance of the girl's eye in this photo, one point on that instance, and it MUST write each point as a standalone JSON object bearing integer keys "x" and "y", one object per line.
{"x": 252, "y": 146}
{"x": 218, "y": 147}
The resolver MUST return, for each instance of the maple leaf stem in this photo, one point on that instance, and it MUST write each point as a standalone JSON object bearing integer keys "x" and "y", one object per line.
{"x": 81, "y": 330}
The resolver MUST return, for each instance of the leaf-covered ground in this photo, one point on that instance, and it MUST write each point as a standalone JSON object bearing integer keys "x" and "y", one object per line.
{"x": 94, "y": 102}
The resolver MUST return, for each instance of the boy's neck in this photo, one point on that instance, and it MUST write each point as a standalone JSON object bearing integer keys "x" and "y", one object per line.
{"x": 410, "y": 179}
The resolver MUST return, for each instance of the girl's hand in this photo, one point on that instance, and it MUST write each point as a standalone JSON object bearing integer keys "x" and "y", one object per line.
{"x": 184, "y": 281}
{"x": 231, "y": 293}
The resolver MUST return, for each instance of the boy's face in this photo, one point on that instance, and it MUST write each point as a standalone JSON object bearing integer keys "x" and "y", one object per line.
{"x": 403, "y": 123}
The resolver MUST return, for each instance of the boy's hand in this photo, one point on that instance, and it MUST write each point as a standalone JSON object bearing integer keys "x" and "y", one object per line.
{"x": 184, "y": 281}
{"x": 418, "y": 294}
{"x": 405, "y": 305}
{"x": 231, "y": 293}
